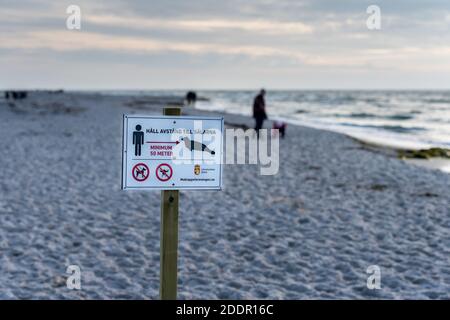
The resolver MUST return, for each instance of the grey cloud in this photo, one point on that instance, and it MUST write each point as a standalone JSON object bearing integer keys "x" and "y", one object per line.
{"x": 339, "y": 36}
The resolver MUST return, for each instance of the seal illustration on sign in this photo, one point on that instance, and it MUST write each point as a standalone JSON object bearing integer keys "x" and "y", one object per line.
{"x": 197, "y": 146}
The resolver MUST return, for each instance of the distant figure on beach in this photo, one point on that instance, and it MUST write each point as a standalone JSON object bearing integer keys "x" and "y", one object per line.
{"x": 15, "y": 95}
{"x": 259, "y": 111}
{"x": 138, "y": 140}
{"x": 191, "y": 97}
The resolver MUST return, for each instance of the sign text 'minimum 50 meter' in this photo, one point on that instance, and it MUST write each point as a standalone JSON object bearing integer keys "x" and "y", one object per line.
{"x": 172, "y": 152}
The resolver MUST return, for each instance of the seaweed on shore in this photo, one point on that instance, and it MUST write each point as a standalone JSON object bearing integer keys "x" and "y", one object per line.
{"x": 405, "y": 153}
{"x": 424, "y": 153}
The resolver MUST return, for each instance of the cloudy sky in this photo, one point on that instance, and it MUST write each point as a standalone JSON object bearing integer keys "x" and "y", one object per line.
{"x": 232, "y": 44}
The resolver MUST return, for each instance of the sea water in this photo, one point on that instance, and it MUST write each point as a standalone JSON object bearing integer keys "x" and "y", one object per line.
{"x": 401, "y": 119}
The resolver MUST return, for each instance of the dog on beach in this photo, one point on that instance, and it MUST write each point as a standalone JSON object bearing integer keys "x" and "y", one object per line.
{"x": 280, "y": 126}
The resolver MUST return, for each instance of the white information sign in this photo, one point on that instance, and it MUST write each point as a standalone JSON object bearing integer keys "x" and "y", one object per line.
{"x": 172, "y": 152}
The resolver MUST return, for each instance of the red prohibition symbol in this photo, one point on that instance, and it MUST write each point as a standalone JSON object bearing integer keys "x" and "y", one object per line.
{"x": 164, "y": 172}
{"x": 140, "y": 172}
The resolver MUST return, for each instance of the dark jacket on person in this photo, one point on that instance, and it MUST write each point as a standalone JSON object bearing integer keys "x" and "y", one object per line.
{"x": 259, "y": 107}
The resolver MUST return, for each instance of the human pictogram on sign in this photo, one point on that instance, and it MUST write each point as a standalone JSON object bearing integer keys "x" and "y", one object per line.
{"x": 164, "y": 172}
{"x": 138, "y": 140}
{"x": 140, "y": 172}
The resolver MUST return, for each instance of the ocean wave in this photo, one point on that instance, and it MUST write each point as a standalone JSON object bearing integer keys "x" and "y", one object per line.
{"x": 393, "y": 128}
{"x": 362, "y": 115}
{"x": 400, "y": 116}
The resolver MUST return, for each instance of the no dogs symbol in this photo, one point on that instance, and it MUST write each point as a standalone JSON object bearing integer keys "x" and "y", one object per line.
{"x": 164, "y": 172}
{"x": 140, "y": 172}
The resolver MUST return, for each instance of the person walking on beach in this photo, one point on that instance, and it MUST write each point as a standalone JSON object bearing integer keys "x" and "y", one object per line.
{"x": 191, "y": 97}
{"x": 259, "y": 111}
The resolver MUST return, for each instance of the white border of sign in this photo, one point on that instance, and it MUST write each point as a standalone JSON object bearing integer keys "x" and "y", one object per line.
{"x": 124, "y": 151}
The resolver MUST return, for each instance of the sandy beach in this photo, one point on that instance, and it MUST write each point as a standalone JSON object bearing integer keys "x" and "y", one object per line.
{"x": 311, "y": 231}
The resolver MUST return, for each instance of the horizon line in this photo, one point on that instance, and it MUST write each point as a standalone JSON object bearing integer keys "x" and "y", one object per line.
{"x": 221, "y": 89}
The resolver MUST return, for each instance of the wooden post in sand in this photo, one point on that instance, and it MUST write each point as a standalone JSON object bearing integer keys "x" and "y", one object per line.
{"x": 169, "y": 235}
